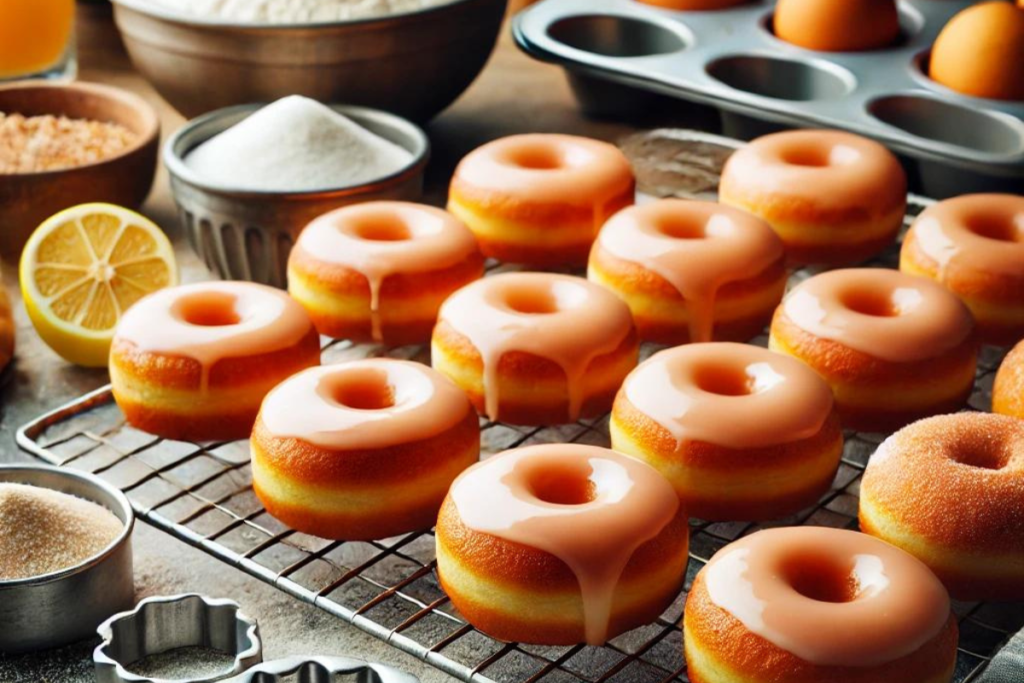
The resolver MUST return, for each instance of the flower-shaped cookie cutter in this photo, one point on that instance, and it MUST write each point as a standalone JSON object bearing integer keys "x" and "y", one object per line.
{"x": 323, "y": 670}
{"x": 161, "y": 624}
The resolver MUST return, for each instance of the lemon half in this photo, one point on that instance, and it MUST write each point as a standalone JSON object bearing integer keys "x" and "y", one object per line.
{"x": 83, "y": 268}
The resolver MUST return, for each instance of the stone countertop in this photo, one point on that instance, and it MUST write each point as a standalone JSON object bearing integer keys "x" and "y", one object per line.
{"x": 514, "y": 95}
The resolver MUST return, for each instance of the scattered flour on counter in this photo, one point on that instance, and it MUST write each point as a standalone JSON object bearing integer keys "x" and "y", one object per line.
{"x": 295, "y": 11}
{"x": 296, "y": 144}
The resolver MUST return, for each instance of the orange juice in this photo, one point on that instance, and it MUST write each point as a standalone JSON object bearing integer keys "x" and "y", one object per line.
{"x": 34, "y": 35}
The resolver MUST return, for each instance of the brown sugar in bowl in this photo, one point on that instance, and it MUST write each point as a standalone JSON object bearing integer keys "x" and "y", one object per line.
{"x": 27, "y": 199}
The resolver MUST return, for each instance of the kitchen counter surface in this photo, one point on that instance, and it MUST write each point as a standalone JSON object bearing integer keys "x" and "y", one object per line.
{"x": 514, "y": 95}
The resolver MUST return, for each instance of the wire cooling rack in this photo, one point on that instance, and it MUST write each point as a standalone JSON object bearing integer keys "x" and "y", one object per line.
{"x": 202, "y": 495}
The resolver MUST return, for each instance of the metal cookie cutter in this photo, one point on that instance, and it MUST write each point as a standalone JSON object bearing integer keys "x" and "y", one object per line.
{"x": 167, "y": 623}
{"x": 323, "y": 670}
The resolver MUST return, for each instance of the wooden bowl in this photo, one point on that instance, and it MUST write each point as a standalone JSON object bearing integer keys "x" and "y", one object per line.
{"x": 27, "y": 199}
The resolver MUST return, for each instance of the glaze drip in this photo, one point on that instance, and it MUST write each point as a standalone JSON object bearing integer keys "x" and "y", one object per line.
{"x": 372, "y": 403}
{"x": 829, "y": 596}
{"x": 697, "y": 391}
{"x": 381, "y": 239}
{"x": 882, "y": 313}
{"x": 589, "y": 507}
{"x": 211, "y": 321}
{"x": 564, "y": 319}
{"x": 697, "y": 247}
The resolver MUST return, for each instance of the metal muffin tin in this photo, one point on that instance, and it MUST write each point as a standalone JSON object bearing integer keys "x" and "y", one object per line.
{"x": 59, "y": 608}
{"x": 731, "y": 60}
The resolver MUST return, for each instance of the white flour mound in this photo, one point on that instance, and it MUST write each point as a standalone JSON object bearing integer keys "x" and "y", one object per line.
{"x": 295, "y": 11}
{"x": 293, "y": 145}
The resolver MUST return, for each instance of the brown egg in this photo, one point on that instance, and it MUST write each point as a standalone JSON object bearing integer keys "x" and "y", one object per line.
{"x": 980, "y": 52}
{"x": 694, "y": 5}
{"x": 837, "y": 25}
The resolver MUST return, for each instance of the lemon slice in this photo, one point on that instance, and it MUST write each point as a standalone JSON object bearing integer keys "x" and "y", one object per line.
{"x": 83, "y": 268}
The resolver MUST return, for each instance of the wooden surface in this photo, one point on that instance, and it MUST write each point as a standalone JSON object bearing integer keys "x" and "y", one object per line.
{"x": 513, "y": 95}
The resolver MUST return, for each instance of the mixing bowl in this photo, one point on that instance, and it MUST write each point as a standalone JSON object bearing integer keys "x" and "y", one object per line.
{"x": 413, "y": 64}
{"x": 247, "y": 235}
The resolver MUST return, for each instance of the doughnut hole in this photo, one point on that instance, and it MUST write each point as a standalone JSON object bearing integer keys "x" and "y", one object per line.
{"x": 208, "y": 309}
{"x": 559, "y": 485}
{"x": 543, "y": 298}
{"x": 535, "y": 157}
{"x": 996, "y": 227}
{"x": 368, "y": 390}
{"x": 819, "y": 156}
{"x": 532, "y": 302}
{"x": 381, "y": 228}
{"x": 984, "y": 455}
{"x": 821, "y": 578}
{"x": 681, "y": 227}
{"x": 723, "y": 381}
{"x": 871, "y": 303}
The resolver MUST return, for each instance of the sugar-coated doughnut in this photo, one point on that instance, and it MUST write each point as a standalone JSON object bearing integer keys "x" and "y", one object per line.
{"x": 540, "y": 199}
{"x": 741, "y": 432}
{"x": 536, "y": 348}
{"x": 194, "y": 362}
{"x": 561, "y": 544}
{"x": 362, "y": 450}
{"x": 837, "y": 25}
{"x": 379, "y": 271}
{"x": 950, "y": 490}
{"x": 1008, "y": 389}
{"x": 834, "y": 198}
{"x": 691, "y": 271}
{"x": 817, "y": 605}
{"x": 974, "y": 246}
{"x": 893, "y": 347}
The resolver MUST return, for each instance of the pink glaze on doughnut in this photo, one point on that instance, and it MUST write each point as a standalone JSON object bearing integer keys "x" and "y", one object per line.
{"x": 697, "y": 391}
{"x": 564, "y": 319}
{"x": 831, "y": 597}
{"x": 885, "y": 314}
{"x": 630, "y": 504}
{"x": 697, "y": 247}
{"x": 380, "y": 239}
{"x": 977, "y": 233}
{"x": 364, "y": 404}
{"x": 210, "y": 321}
{"x": 549, "y": 169}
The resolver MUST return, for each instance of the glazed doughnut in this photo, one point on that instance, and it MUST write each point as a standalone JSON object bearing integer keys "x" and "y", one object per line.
{"x": 950, "y": 490}
{"x": 814, "y": 604}
{"x": 741, "y": 432}
{"x": 691, "y": 271}
{"x": 379, "y": 271}
{"x": 194, "y": 362}
{"x": 362, "y": 450}
{"x": 974, "y": 246}
{"x": 834, "y": 198}
{"x": 561, "y": 544}
{"x": 837, "y": 25}
{"x": 540, "y": 199}
{"x": 1008, "y": 389}
{"x": 893, "y": 347}
{"x": 536, "y": 348}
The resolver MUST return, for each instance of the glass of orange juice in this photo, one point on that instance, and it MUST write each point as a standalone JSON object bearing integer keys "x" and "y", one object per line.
{"x": 37, "y": 39}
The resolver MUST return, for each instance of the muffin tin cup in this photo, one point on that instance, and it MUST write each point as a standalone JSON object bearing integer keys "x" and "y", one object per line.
{"x": 59, "y": 608}
{"x": 731, "y": 60}
{"x": 246, "y": 235}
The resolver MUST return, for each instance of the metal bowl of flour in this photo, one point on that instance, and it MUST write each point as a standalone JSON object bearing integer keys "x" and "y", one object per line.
{"x": 55, "y": 609}
{"x": 247, "y": 235}
{"x": 413, "y": 64}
